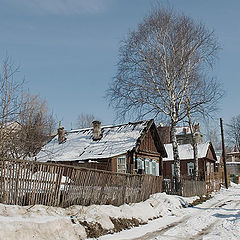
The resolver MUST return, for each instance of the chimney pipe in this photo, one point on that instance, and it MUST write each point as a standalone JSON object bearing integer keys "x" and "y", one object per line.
{"x": 61, "y": 134}
{"x": 97, "y": 135}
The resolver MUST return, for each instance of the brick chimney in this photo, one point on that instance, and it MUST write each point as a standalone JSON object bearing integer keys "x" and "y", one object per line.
{"x": 196, "y": 128}
{"x": 97, "y": 135}
{"x": 61, "y": 134}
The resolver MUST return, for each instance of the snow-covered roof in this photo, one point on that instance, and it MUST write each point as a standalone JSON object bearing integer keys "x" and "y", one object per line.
{"x": 186, "y": 151}
{"x": 232, "y": 163}
{"x": 233, "y": 154}
{"x": 79, "y": 145}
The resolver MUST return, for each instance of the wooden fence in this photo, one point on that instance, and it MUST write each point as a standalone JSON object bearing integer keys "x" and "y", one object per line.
{"x": 170, "y": 187}
{"x": 193, "y": 188}
{"x": 215, "y": 180}
{"x": 186, "y": 188}
{"x": 190, "y": 187}
{"x": 29, "y": 183}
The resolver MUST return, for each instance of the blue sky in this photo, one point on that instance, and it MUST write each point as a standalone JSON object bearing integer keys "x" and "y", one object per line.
{"x": 67, "y": 49}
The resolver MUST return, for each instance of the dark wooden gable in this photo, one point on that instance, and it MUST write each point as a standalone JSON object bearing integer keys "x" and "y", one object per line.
{"x": 211, "y": 153}
{"x": 150, "y": 141}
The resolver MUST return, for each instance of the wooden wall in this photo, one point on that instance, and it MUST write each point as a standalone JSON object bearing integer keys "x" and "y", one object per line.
{"x": 148, "y": 144}
{"x": 167, "y": 167}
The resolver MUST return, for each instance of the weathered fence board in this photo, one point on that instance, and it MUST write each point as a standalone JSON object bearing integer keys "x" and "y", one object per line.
{"x": 193, "y": 188}
{"x": 29, "y": 183}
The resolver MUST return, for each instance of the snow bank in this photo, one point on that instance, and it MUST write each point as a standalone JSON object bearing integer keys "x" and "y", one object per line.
{"x": 43, "y": 222}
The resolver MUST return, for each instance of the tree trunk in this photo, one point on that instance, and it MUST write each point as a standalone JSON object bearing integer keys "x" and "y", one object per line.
{"x": 195, "y": 148}
{"x": 175, "y": 156}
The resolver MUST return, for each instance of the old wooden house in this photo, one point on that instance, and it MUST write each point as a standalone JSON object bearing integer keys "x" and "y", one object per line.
{"x": 183, "y": 134}
{"x": 206, "y": 164}
{"x": 233, "y": 163}
{"x": 126, "y": 148}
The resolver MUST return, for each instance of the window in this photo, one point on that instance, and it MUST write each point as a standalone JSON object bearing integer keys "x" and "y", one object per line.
{"x": 147, "y": 166}
{"x": 150, "y": 168}
{"x": 212, "y": 167}
{"x": 140, "y": 163}
{"x": 157, "y": 169}
{"x": 190, "y": 168}
{"x": 121, "y": 164}
{"x": 154, "y": 167}
{"x": 208, "y": 167}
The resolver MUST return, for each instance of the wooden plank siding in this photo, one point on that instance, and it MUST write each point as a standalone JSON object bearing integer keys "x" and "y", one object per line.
{"x": 148, "y": 144}
{"x": 167, "y": 166}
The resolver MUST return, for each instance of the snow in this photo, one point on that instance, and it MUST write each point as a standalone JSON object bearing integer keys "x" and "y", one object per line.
{"x": 182, "y": 130}
{"x": 79, "y": 145}
{"x": 217, "y": 218}
{"x": 186, "y": 151}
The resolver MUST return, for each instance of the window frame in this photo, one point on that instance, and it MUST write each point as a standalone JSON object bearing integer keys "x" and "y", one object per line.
{"x": 120, "y": 163}
{"x": 157, "y": 169}
{"x": 190, "y": 168}
{"x": 211, "y": 167}
{"x": 147, "y": 166}
{"x": 208, "y": 168}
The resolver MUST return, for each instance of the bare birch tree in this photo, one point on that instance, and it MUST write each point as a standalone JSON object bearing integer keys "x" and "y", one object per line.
{"x": 156, "y": 66}
{"x": 202, "y": 100}
{"x": 85, "y": 120}
{"x": 9, "y": 104}
{"x": 25, "y": 123}
{"x": 233, "y": 132}
{"x": 37, "y": 126}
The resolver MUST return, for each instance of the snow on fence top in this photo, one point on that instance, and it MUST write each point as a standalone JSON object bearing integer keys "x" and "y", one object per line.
{"x": 186, "y": 151}
{"x": 80, "y": 146}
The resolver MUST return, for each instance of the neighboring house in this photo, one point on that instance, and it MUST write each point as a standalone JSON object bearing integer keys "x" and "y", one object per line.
{"x": 127, "y": 148}
{"x": 233, "y": 162}
{"x": 206, "y": 155}
{"x": 183, "y": 134}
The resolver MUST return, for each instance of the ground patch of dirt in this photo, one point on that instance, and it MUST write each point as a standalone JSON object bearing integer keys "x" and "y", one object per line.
{"x": 200, "y": 200}
{"x": 124, "y": 223}
{"x": 93, "y": 230}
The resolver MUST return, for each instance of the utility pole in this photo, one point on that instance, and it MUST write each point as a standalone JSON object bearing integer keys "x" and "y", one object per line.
{"x": 223, "y": 154}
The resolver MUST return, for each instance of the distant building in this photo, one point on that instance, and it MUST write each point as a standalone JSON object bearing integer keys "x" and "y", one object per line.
{"x": 183, "y": 134}
{"x": 233, "y": 162}
{"x": 206, "y": 160}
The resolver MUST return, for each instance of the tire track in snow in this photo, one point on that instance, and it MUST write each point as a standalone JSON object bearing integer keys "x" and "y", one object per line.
{"x": 204, "y": 231}
{"x": 154, "y": 234}
{"x": 205, "y": 213}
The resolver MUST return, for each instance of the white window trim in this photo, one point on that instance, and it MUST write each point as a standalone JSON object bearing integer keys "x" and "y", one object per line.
{"x": 154, "y": 166}
{"x": 150, "y": 168}
{"x": 147, "y": 166}
{"x": 212, "y": 167}
{"x": 190, "y": 166}
{"x": 140, "y": 163}
{"x": 208, "y": 167}
{"x": 157, "y": 169}
{"x": 119, "y": 163}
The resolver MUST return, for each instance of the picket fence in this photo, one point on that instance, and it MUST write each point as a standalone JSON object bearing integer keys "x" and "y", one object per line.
{"x": 29, "y": 183}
